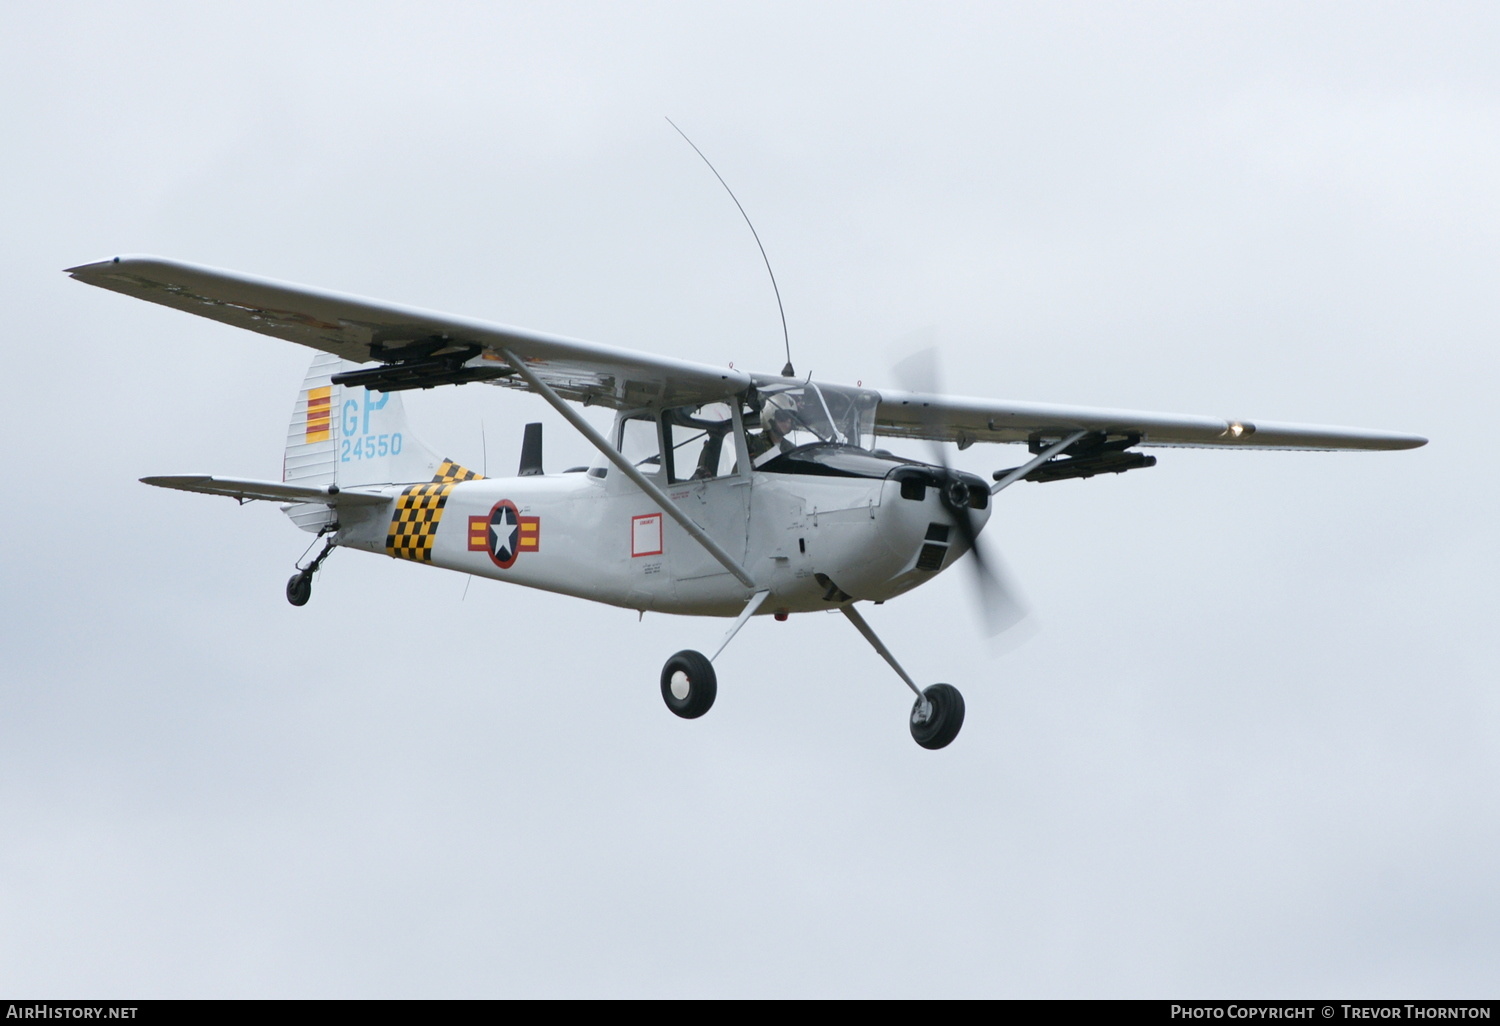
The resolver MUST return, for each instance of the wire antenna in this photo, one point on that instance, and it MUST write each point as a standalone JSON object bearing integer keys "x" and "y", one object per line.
{"x": 786, "y": 371}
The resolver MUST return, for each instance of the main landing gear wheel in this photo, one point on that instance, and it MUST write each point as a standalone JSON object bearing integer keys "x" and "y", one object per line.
{"x": 945, "y": 715}
{"x": 689, "y": 684}
{"x": 299, "y": 588}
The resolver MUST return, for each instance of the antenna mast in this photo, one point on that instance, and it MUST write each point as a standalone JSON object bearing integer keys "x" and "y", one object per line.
{"x": 786, "y": 371}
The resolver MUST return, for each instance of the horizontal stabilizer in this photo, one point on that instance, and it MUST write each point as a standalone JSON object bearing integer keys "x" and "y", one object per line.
{"x": 271, "y": 491}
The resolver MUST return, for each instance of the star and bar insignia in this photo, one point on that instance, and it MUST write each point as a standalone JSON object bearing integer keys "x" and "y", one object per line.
{"x": 505, "y": 534}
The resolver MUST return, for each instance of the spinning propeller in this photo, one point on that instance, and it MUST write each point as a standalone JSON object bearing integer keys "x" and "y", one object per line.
{"x": 1000, "y": 607}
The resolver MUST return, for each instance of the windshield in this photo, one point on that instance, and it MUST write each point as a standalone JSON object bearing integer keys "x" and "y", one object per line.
{"x": 793, "y": 415}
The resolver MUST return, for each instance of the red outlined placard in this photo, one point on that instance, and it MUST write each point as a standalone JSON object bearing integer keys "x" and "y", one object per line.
{"x": 645, "y": 535}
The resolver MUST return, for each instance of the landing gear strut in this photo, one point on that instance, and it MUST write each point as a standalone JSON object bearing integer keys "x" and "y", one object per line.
{"x": 299, "y": 587}
{"x": 938, "y": 712}
{"x": 688, "y": 682}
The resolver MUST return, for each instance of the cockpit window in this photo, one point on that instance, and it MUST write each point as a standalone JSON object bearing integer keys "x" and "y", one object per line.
{"x": 793, "y": 415}
{"x": 639, "y": 442}
{"x": 700, "y": 441}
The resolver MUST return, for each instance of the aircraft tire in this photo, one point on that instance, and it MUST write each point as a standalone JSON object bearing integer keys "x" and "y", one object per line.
{"x": 299, "y": 589}
{"x": 689, "y": 684}
{"x": 947, "y": 717}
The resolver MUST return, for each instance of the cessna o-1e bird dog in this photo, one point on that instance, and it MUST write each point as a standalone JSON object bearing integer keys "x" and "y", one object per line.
{"x": 717, "y": 492}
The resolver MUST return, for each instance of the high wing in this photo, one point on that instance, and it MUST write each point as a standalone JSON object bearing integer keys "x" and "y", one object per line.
{"x": 965, "y": 421}
{"x": 418, "y": 348}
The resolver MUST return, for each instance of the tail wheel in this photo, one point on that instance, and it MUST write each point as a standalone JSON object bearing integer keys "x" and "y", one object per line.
{"x": 944, "y": 716}
{"x": 689, "y": 684}
{"x": 299, "y": 589}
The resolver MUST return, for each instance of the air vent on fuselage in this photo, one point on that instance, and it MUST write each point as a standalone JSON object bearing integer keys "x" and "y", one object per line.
{"x": 931, "y": 558}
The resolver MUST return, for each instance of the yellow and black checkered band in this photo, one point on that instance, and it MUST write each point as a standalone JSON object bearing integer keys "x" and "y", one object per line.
{"x": 419, "y": 510}
{"x": 451, "y": 472}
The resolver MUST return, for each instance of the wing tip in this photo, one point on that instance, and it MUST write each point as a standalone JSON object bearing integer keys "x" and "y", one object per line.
{"x": 1320, "y": 437}
{"x": 82, "y": 271}
{"x": 1410, "y": 442}
{"x": 93, "y": 265}
{"x": 167, "y": 480}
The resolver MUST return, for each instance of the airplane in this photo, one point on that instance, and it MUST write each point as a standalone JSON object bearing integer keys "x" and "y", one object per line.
{"x": 716, "y": 493}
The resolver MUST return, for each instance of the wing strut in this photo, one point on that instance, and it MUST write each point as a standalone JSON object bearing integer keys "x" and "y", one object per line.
{"x": 1042, "y": 457}
{"x": 612, "y": 454}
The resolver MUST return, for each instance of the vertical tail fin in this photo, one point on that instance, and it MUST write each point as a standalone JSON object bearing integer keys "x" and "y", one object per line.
{"x": 348, "y": 437}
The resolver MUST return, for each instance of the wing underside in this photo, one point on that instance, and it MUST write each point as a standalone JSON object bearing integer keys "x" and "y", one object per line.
{"x": 416, "y": 347}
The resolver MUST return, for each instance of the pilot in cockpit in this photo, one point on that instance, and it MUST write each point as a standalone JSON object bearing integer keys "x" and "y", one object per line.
{"x": 778, "y": 416}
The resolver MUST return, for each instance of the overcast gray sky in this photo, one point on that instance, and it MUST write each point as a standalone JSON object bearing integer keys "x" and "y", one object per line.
{"x": 1250, "y": 748}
